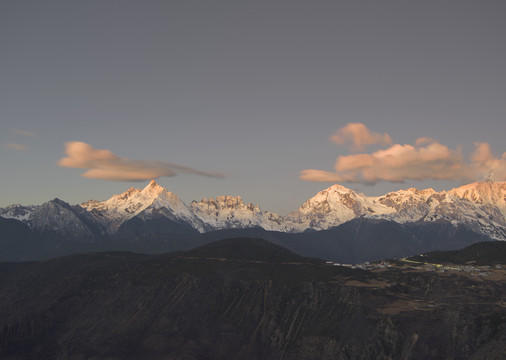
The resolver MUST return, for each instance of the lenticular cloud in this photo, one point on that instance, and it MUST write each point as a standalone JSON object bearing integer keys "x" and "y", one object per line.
{"x": 103, "y": 164}
{"x": 426, "y": 159}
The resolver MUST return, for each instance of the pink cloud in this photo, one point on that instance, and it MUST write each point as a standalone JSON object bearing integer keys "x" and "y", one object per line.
{"x": 484, "y": 162}
{"x": 426, "y": 159}
{"x": 323, "y": 176}
{"x": 402, "y": 162}
{"x": 357, "y": 136}
{"x": 105, "y": 165}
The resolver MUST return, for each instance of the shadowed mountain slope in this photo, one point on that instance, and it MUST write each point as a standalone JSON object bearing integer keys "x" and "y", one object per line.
{"x": 356, "y": 241}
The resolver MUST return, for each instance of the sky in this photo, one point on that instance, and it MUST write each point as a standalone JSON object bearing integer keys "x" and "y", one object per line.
{"x": 271, "y": 100}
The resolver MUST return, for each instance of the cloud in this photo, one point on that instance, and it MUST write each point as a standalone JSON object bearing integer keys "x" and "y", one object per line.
{"x": 426, "y": 159}
{"x": 485, "y": 163}
{"x": 24, "y": 133}
{"x": 324, "y": 176}
{"x": 14, "y": 146}
{"x": 357, "y": 137}
{"x": 105, "y": 165}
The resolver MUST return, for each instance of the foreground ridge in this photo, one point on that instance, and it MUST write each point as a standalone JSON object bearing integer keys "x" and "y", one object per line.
{"x": 247, "y": 298}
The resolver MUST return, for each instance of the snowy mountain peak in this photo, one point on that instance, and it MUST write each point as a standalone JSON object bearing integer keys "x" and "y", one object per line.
{"x": 338, "y": 188}
{"x": 331, "y": 207}
{"x": 483, "y": 192}
{"x": 145, "y": 196}
{"x": 153, "y": 187}
{"x": 330, "y": 198}
{"x": 124, "y": 206}
{"x": 153, "y": 200}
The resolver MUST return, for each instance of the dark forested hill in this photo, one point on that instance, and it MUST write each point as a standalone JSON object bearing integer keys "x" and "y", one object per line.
{"x": 482, "y": 253}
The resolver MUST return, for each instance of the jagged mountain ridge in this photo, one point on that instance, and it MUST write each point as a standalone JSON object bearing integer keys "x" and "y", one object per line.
{"x": 71, "y": 222}
{"x": 152, "y": 201}
{"x": 227, "y": 212}
{"x": 480, "y": 206}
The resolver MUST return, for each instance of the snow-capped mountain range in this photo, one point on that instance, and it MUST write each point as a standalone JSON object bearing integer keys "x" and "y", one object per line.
{"x": 480, "y": 206}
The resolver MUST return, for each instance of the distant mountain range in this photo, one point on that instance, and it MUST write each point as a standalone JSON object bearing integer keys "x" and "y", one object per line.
{"x": 481, "y": 206}
{"x": 415, "y": 220}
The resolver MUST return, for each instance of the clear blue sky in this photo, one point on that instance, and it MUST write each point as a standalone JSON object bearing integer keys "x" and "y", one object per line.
{"x": 252, "y": 90}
